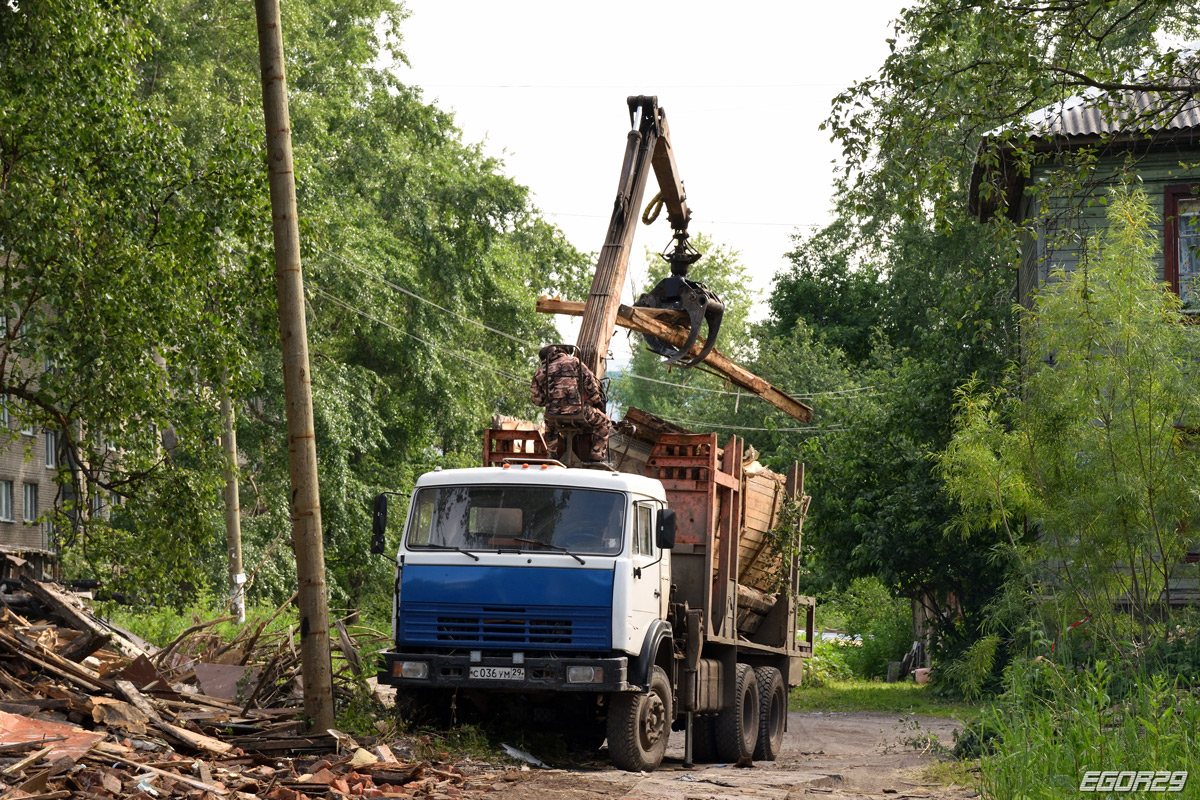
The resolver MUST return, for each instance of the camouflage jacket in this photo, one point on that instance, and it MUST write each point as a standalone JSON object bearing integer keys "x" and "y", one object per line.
{"x": 563, "y": 384}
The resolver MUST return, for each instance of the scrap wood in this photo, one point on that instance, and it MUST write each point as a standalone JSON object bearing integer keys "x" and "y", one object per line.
{"x": 163, "y": 654}
{"x": 188, "y": 738}
{"x": 215, "y": 788}
{"x": 71, "y": 610}
{"x": 51, "y": 662}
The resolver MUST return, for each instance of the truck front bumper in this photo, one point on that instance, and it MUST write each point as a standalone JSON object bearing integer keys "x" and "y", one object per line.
{"x": 500, "y": 672}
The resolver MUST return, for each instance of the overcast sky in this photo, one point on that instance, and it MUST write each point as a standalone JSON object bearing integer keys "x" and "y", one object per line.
{"x": 542, "y": 83}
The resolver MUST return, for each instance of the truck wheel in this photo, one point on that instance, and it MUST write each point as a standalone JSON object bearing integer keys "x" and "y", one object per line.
{"x": 639, "y": 725}
{"x": 737, "y": 727}
{"x": 772, "y": 713}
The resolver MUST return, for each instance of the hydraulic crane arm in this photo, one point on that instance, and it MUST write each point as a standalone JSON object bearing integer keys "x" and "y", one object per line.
{"x": 649, "y": 141}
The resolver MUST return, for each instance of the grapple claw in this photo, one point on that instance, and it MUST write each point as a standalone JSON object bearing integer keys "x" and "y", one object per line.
{"x": 702, "y": 305}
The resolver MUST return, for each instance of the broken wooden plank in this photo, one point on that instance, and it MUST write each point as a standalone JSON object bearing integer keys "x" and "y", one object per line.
{"x": 175, "y": 776}
{"x": 645, "y": 320}
{"x": 70, "y": 609}
{"x": 197, "y": 741}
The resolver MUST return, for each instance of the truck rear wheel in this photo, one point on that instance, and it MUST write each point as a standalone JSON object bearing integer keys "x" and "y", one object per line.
{"x": 772, "y": 713}
{"x": 737, "y": 727}
{"x": 639, "y": 725}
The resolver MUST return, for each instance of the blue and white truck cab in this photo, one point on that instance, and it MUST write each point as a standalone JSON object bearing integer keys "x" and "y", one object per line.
{"x": 531, "y": 577}
{"x": 545, "y": 594}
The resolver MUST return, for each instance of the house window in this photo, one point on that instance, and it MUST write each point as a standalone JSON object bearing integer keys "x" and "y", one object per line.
{"x": 1181, "y": 246}
{"x": 6, "y": 501}
{"x": 51, "y": 449}
{"x": 4, "y": 413}
{"x": 27, "y": 429}
{"x": 29, "y": 512}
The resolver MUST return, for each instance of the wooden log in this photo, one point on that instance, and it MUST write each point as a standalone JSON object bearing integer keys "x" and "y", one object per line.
{"x": 642, "y": 321}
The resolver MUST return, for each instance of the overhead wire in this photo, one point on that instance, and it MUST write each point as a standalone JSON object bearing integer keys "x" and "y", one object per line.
{"x": 410, "y": 293}
{"x": 425, "y": 342}
{"x": 646, "y": 378}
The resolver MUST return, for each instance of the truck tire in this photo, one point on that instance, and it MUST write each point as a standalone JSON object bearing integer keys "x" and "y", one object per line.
{"x": 737, "y": 727}
{"x": 640, "y": 724}
{"x": 772, "y": 713}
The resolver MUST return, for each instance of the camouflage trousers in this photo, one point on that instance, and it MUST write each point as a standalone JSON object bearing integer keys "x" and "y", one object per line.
{"x": 594, "y": 422}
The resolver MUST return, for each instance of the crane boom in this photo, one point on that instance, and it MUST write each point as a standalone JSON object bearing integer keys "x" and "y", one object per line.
{"x": 647, "y": 142}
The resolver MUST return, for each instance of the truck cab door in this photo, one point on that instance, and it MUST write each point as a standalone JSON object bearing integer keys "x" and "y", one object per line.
{"x": 649, "y": 599}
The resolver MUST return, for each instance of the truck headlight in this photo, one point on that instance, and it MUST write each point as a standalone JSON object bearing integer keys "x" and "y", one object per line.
{"x": 410, "y": 669}
{"x": 585, "y": 674}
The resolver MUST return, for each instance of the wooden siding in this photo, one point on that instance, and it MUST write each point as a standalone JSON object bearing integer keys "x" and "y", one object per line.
{"x": 1062, "y": 237}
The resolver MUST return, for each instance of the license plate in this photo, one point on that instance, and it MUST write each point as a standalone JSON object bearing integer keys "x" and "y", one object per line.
{"x": 498, "y": 673}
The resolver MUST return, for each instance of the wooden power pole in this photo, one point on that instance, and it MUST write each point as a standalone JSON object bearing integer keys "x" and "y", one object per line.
{"x": 315, "y": 664}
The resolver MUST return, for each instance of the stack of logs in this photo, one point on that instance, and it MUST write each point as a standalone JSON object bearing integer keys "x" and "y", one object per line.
{"x": 90, "y": 711}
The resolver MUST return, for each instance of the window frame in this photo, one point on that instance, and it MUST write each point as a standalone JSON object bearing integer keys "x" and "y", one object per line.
{"x": 6, "y": 501}
{"x": 28, "y": 490}
{"x": 648, "y": 533}
{"x": 51, "y": 449}
{"x": 1171, "y": 197}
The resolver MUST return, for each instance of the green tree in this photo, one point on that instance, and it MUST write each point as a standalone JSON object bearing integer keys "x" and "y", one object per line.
{"x": 960, "y": 69}
{"x": 117, "y": 312}
{"x": 1093, "y": 449}
{"x": 423, "y": 262}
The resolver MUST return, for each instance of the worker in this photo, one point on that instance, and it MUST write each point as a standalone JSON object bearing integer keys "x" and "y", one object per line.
{"x": 567, "y": 388}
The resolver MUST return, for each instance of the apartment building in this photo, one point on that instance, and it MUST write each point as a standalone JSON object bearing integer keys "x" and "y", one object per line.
{"x": 29, "y": 461}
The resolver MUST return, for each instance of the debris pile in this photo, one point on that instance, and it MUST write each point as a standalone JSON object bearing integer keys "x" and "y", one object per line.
{"x": 90, "y": 711}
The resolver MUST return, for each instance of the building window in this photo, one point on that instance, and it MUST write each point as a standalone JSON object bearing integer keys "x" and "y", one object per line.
{"x": 27, "y": 429}
{"x": 6, "y": 501}
{"x": 51, "y": 449}
{"x": 4, "y": 413}
{"x": 29, "y": 512}
{"x": 1181, "y": 245}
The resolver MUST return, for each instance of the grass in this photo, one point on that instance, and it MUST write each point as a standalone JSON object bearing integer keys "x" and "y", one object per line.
{"x": 892, "y": 698}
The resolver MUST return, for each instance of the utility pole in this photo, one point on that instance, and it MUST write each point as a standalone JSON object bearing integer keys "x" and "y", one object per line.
{"x": 233, "y": 511}
{"x": 315, "y": 664}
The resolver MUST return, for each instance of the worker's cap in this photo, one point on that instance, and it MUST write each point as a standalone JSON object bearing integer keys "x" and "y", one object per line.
{"x": 551, "y": 349}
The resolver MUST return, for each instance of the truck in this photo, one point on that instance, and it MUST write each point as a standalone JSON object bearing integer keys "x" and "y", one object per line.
{"x": 613, "y": 604}
{"x": 655, "y": 593}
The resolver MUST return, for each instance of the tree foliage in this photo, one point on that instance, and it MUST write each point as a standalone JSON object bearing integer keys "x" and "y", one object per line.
{"x": 960, "y": 70}
{"x": 135, "y": 231}
{"x": 1093, "y": 450}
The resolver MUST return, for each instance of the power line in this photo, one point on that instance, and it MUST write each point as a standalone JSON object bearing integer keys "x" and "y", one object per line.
{"x": 403, "y": 332}
{"x": 809, "y": 395}
{"x": 707, "y": 221}
{"x": 408, "y": 292}
{"x": 694, "y": 423}
{"x": 397, "y": 287}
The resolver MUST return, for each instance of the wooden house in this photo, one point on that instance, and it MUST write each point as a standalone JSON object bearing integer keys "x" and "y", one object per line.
{"x": 1160, "y": 151}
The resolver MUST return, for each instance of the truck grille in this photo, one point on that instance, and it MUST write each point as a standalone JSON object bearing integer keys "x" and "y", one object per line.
{"x": 506, "y": 627}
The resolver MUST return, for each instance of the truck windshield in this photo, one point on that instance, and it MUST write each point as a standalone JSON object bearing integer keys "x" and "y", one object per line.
{"x": 512, "y": 518}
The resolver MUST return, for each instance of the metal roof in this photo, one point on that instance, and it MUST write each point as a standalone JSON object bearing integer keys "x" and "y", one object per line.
{"x": 1090, "y": 114}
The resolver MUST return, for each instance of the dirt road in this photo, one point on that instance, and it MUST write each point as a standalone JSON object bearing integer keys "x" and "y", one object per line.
{"x": 825, "y": 755}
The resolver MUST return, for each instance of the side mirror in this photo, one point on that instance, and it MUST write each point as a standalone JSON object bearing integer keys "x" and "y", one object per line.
{"x": 379, "y": 525}
{"x": 665, "y": 533}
